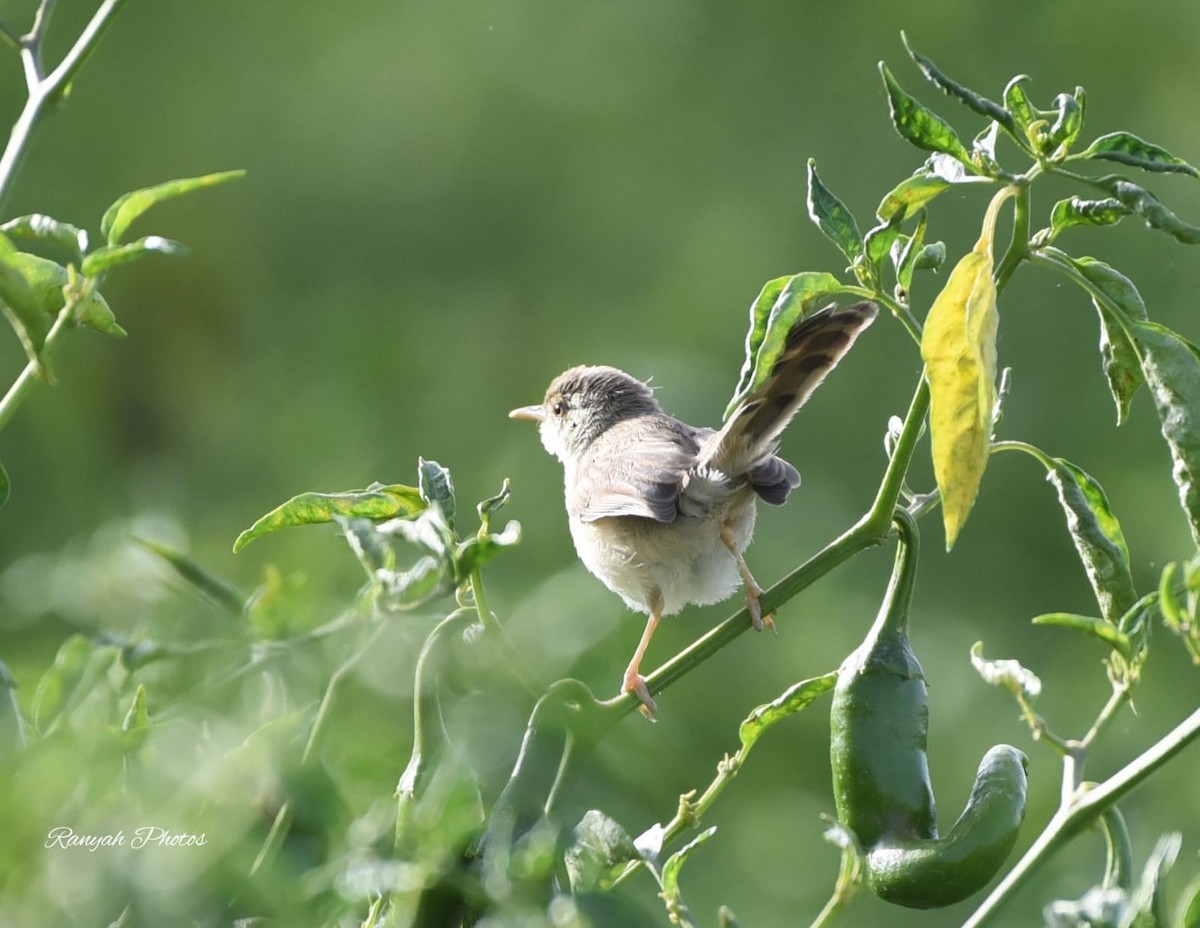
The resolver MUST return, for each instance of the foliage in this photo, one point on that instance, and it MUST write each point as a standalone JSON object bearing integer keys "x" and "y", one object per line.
{"x": 225, "y": 734}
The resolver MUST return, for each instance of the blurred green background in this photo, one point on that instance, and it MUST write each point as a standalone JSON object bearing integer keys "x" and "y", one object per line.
{"x": 447, "y": 204}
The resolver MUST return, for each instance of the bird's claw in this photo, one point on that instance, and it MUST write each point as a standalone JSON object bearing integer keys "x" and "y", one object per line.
{"x": 757, "y": 619}
{"x": 635, "y": 683}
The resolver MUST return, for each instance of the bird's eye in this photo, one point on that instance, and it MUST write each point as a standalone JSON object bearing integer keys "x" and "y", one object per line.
{"x": 558, "y": 408}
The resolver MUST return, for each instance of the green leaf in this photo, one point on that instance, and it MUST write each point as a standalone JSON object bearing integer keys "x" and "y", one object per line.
{"x": 832, "y": 217}
{"x": 781, "y": 302}
{"x": 1078, "y": 212}
{"x": 370, "y": 546}
{"x": 118, "y": 217}
{"x": 5, "y": 486}
{"x": 1150, "y": 897}
{"x": 38, "y": 228}
{"x": 375, "y": 502}
{"x": 78, "y": 667}
{"x": 1068, "y": 120}
{"x": 222, "y": 594}
{"x": 12, "y": 724}
{"x": 427, "y": 579}
{"x": 1127, "y": 148}
{"x": 436, "y": 488}
{"x": 1006, "y": 674}
{"x": 25, "y": 309}
{"x": 1141, "y": 201}
{"x": 1118, "y": 353}
{"x": 136, "y": 726}
{"x": 919, "y": 125}
{"x": 1016, "y": 101}
{"x": 670, "y": 871}
{"x": 905, "y": 251}
{"x": 49, "y": 282}
{"x": 1099, "y": 628}
{"x": 475, "y": 552}
{"x": 879, "y": 240}
{"x": 1171, "y": 365}
{"x": 488, "y": 507}
{"x": 788, "y": 703}
{"x": 109, "y": 256}
{"x": 910, "y": 195}
{"x": 1187, "y": 913}
{"x": 980, "y": 104}
{"x": 599, "y": 851}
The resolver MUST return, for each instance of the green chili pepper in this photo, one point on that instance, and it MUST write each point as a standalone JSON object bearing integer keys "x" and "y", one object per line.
{"x": 879, "y": 722}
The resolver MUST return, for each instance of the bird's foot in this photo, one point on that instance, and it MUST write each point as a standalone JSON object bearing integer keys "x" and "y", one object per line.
{"x": 757, "y": 619}
{"x": 635, "y": 683}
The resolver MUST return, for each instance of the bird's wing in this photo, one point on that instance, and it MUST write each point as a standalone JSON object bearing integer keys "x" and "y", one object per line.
{"x": 636, "y": 468}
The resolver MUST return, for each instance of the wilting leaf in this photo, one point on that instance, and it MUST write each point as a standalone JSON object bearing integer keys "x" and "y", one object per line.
{"x": 771, "y": 320}
{"x": 1006, "y": 674}
{"x": 1077, "y": 212}
{"x": 1149, "y": 207}
{"x": 832, "y": 217}
{"x": 375, "y": 502}
{"x": 981, "y": 105}
{"x": 1171, "y": 365}
{"x": 1068, "y": 120}
{"x": 959, "y": 350}
{"x": 1127, "y": 148}
{"x": 918, "y": 124}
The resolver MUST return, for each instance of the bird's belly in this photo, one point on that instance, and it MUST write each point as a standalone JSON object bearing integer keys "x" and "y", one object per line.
{"x": 682, "y": 562}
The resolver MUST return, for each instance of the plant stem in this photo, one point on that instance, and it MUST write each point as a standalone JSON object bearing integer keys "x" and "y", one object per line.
{"x": 36, "y": 367}
{"x": 48, "y": 89}
{"x": 1080, "y": 810}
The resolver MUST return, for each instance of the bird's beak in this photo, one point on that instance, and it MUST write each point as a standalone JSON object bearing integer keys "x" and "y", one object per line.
{"x": 532, "y": 413}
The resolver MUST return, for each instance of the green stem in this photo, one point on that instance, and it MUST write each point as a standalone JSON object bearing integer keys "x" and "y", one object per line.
{"x": 491, "y": 624}
{"x": 1018, "y": 247}
{"x": 1080, "y": 811}
{"x": 35, "y": 368}
{"x": 48, "y": 89}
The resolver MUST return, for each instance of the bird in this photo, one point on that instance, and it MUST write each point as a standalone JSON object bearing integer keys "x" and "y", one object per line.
{"x": 661, "y": 512}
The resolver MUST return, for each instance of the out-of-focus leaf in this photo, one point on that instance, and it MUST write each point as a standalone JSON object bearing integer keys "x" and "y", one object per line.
{"x": 1171, "y": 365}
{"x": 427, "y": 579}
{"x": 1187, "y": 913}
{"x": 1141, "y": 201}
{"x": 5, "y": 486}
{"x": 788, "y": 703}
{"x": 772, "y": 315}
{"x": 670, "y": 870}
{"x": 918, "y": 124}
{"x": 1097, "y": 908}
{"x": 1127, "y": 148}
{"x": 1006, "y": 674}
{"x": 437, "y": 489}
{"x": 832, "y": 217}
{"x": 1150, "y": 898}
{"x": 109, "y": 256}
{"x": 475, "y": 552}
{"x": 911, "y": 194}
{"x": 369, "y": 545}
{"x": 38, "y": 228}
{"x": 12, "y": 724}
{"x": 959, "y": 350}
{"x": 1077, "y": 212}
{"x": 94, "y": 312}
{"x": 488, "y": 507}
{"x": 600, "y": 849}
{"x": 136, "y": 726}
{"x": 26, "y": 309}
{"x": 980, "y": 104}
{"x": 375, "y": 502}
{"x": 221, "y": 593}
{"x": 1104, "y": 630}
{"x": 1136, "y": 625}
{"x": 125, "y": 209}
{"x": 77, "y": 668}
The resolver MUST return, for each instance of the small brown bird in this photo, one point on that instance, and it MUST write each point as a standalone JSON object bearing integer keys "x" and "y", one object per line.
{"x": 661, "y": 512}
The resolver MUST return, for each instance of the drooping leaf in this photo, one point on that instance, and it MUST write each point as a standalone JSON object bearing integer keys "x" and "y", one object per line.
{"x": 1006, "y": 674}
{"x": 832, "y": 217}
{"x": 1171, "y": 365}
{"x": 493, "y": 504}
{"x": 125, "y": 209}
{"x": 1118, "y": 353}
{"x": 109, "y": 256}
{"x": 1078, "y": 212}
{"x": 959, "y": 350}
{"x": 771, "y": 319}
{"x": 375, "y": 502}
{"x": 919, "y": 125}
{"x": 1141, "y": 201}
{"x": 599, "y": 850}
{"x": 220, "y": 592}
{"x": 980, "y": 104}
{"x": 437, "y": 489}
{"x": 1127, "y": 148}
{"x": 38, "y": 228}
{"x": 1099, "y": 628}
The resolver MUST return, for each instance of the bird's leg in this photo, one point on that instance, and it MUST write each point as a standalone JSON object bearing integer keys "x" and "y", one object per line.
{"x": 634, "y": 682}
{"x": 753, "y": 590}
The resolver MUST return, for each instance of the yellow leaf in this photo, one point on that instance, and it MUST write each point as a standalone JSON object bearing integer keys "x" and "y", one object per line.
{"x": 959, "y": 350}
